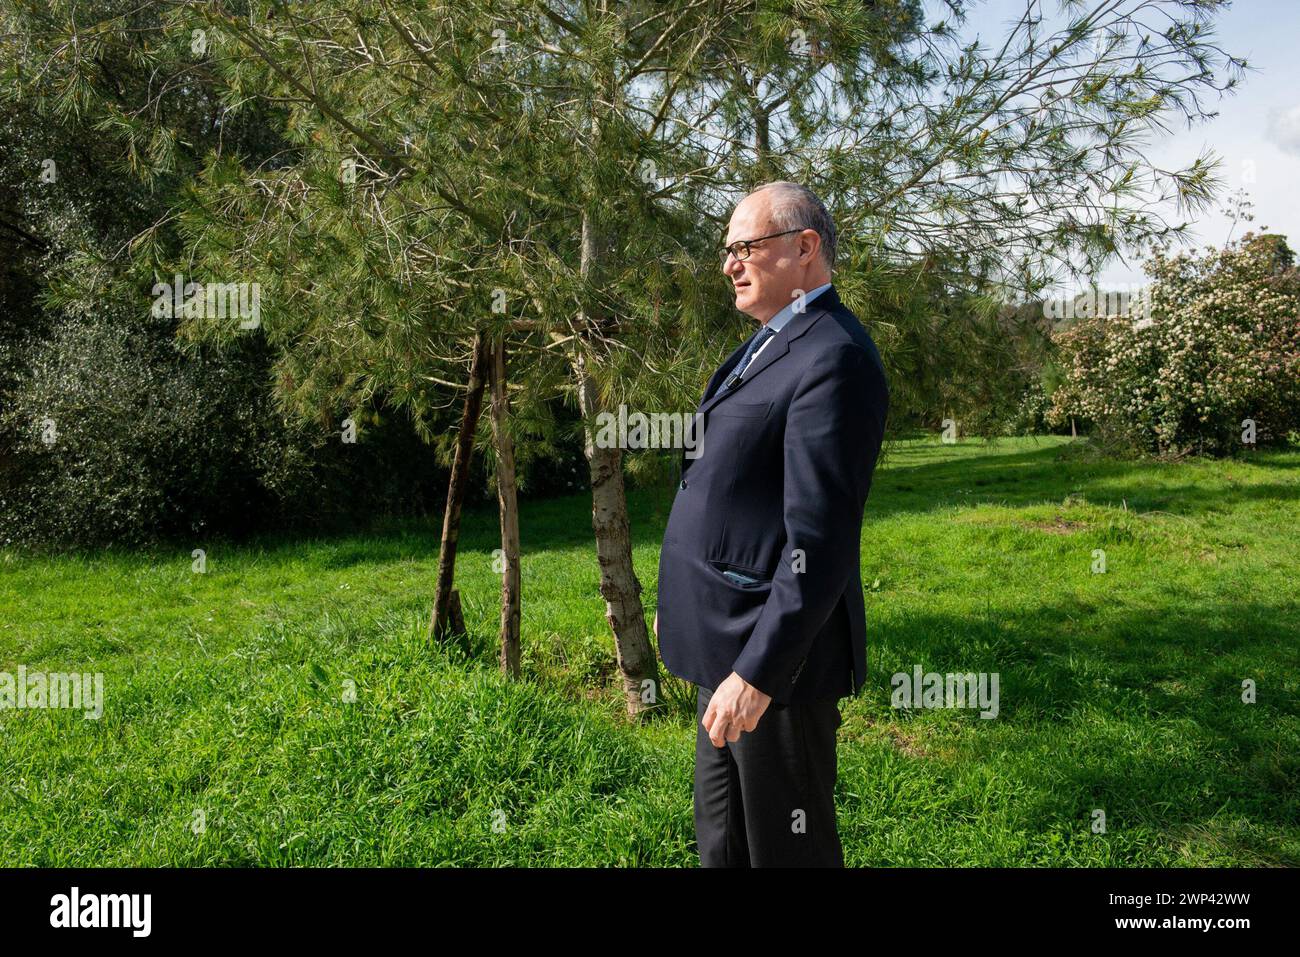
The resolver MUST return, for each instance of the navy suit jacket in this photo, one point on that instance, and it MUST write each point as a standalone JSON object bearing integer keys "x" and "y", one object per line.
{"x": 776, "y": 493}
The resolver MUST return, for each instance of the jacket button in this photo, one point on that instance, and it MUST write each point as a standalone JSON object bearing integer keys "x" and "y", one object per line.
{"x": 683, "y": 483}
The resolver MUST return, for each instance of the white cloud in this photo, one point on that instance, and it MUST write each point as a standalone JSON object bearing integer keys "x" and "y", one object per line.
{"x": 1284, "y": 129}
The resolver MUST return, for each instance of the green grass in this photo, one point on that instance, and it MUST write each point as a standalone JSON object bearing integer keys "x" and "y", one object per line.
{"x": 224, "y": 691}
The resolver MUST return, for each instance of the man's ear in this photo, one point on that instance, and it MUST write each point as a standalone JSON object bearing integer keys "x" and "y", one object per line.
{"x": 810, "y": 244}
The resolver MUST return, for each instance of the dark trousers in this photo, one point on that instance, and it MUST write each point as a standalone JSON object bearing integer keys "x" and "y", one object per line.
{"x": 768, "y": 799}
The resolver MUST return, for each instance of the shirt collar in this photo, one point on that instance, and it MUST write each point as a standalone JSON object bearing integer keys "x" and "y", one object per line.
{"x": 787, "y": 313}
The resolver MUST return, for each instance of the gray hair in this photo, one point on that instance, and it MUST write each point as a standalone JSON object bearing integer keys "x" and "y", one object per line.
{"x": 797, "y": 207}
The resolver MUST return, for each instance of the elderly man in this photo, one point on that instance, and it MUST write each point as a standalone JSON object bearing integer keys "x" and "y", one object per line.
{"x": 760, "y": 592}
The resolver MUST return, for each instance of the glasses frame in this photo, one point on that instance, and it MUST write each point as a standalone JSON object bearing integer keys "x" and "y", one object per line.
{"x": 729, "y": 250}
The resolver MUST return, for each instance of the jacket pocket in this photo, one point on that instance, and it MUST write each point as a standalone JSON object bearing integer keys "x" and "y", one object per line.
{"x": 741, "y": 410}
{"x": 740, "y": 576}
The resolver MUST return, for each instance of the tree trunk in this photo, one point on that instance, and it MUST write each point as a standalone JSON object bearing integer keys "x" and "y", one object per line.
{"x": 439, "y": 622}
{"x": 762, "y": 140}
{"x": 509, "y": 505}
{"x": 619, "y": 585}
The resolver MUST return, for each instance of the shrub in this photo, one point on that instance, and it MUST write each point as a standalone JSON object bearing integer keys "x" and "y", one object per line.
{"x": 1219, "y": 350}
{"x": 116, "y": 437}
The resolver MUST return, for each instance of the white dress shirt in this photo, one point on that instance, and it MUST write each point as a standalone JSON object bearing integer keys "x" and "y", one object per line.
{"x": 784, "y": 316}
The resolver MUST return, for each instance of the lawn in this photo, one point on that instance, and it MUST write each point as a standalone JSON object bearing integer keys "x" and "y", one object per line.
{"x": 283, "y": 708}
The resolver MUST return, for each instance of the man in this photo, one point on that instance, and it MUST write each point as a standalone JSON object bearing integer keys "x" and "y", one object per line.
{"x": 760, "y": 589}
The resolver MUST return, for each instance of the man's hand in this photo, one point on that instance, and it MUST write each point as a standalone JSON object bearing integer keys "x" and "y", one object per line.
{"x": 736, "y": 706}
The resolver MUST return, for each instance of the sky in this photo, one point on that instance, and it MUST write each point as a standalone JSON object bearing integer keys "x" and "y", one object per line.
{"x": 1257, "y": 131}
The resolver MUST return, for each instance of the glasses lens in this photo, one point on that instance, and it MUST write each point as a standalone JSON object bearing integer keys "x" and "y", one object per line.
{"x": 739, "y": 249}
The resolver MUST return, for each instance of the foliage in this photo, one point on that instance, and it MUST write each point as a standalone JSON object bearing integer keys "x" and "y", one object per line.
{"x": 118, "y": 438}
{"x": 1220, "y": 351}
{"x": 433, "y": 156}
{"x": 559, "y": 173}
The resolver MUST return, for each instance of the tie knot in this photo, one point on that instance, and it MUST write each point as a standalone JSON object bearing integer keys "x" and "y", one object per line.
{"x": 763, "y": 335}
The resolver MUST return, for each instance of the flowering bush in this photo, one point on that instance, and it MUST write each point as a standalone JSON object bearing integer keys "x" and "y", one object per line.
{"x": 1215, "y": 364}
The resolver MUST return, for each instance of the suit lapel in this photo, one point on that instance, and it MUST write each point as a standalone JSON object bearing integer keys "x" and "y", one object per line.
{"x": 772, "y": 353}
{"x": 719, "y": 374}
{"x": 724, "y": 370}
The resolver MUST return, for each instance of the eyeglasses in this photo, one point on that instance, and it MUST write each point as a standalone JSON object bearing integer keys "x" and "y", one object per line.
{"x": 740, "y": 248}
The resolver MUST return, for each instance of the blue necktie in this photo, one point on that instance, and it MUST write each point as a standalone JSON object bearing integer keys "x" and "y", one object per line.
{"x": 754, "y": 346}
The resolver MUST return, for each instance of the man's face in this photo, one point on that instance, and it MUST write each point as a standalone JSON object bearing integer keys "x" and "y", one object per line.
{"x": 774, "y": 269}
